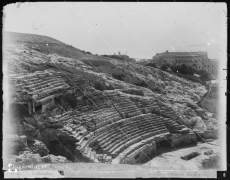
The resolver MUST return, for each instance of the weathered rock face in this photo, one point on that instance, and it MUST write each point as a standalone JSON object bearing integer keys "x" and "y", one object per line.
{"x": 29, "y": 158}
{"x": 39, "y": 147}
{"x": 211, "y": 101}
{"x": 59, "y": 142}
{"x": 192, "y": 121}
{"x": 201, "y": 113}
{"x": 212, "y": 128}
{"x": 26, "y": 157}
{"x": 54, "y": 159}
{"x": 200, "y": 126}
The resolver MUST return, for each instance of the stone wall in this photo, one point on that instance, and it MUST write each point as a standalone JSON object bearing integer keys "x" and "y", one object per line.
{"x": 142, "y": 154}
{"x": 48, "y": 105}
{"x": 179, "y": 139}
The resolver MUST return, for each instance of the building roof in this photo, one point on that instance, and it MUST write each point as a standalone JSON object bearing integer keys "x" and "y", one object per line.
{"x": 185, "y": 53}
{"x": 182, "y": 54}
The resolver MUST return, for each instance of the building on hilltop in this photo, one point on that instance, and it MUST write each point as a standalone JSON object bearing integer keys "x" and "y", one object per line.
{"x": 212, "y": 67}
{"x": 197, "y": 60}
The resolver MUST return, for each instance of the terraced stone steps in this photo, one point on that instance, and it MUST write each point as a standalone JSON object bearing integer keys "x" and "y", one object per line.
{"x": 137, "y": 129}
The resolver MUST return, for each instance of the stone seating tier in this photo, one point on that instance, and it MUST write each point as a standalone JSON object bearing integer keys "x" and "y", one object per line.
{"x": 135, "y": 128}
{"x": 109, "y": 129}
{"x": 135, "y": 132}
{"x": 140, "y": 133}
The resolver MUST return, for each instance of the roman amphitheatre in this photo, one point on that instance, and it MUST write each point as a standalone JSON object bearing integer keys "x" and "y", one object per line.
{"x": 69, "y": 106}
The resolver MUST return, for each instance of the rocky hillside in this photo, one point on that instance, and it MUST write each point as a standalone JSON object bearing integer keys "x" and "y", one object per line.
{"x": 74, "y": 105}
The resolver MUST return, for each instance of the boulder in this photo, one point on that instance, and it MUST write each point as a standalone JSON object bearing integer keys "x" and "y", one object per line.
{"x": 28, "y": 127}
{"x": 192, "y": 105}
{"x": 54, "y": 159}
{"x": 200, "y": 125}
{"x": 39, "y": 147}
{"x": 31, "y": 121}
{"x": 46, "y": 159}
{"x": 208, "y": 152}
{"x": 27, "y": 158}
{"x": 209, "y": 135}
{"x": 201, "y": 113}
{"x": 212, "y": 129}
{"x": 195, "y": 97}
{"x": 192, "y": 121}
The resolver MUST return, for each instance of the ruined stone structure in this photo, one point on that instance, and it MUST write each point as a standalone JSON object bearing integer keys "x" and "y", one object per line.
{"x": 123, "y": 128}
{"x": 110, "y": 112}
{"x": 38, "y": 90}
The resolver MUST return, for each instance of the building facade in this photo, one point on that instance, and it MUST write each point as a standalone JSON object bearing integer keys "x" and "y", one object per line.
{"x": 212, "y": 66}
{"x": 197, "y": 60}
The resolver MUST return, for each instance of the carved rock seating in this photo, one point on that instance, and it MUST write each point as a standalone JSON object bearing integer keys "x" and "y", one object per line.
{"x": 100, "y": 100}
{"x": 126, "y": 107}
{"x": 147, "y": 105}
{"x": 136, "y": 129}
{"x": 166, "y": 112}
{"x": 102, "y": 118}
{"x": 174, "y": 127}
{"x": 138, "y": 150}
{"x": 132, "y": 150}
{"x": 128, "y": 137}
{"x": 40, "y": 85}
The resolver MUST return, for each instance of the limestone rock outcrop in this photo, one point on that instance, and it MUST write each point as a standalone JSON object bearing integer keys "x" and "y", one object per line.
{"x": 27, "y": 158}
{"x": 200, "y": 126}
{"x": 39, "y": 147}
{"x": 54, "y": 159}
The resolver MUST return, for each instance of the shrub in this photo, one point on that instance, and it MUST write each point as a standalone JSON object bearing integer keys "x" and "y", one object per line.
{"x": 151, "y": 65}
{"x": 164, "y": 67}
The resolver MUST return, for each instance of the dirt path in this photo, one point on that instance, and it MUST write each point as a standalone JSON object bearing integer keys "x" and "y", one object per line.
{"x": 172, "y": 160}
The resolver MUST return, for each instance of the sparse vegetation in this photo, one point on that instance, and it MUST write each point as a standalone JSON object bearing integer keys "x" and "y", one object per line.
{"x": 151, "y": 65}
{"x": 97, "y": 63}
{"x": 187, "y": 70}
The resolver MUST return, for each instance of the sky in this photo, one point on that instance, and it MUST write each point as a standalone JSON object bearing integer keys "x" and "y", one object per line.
{"x": 138, "y": 29}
